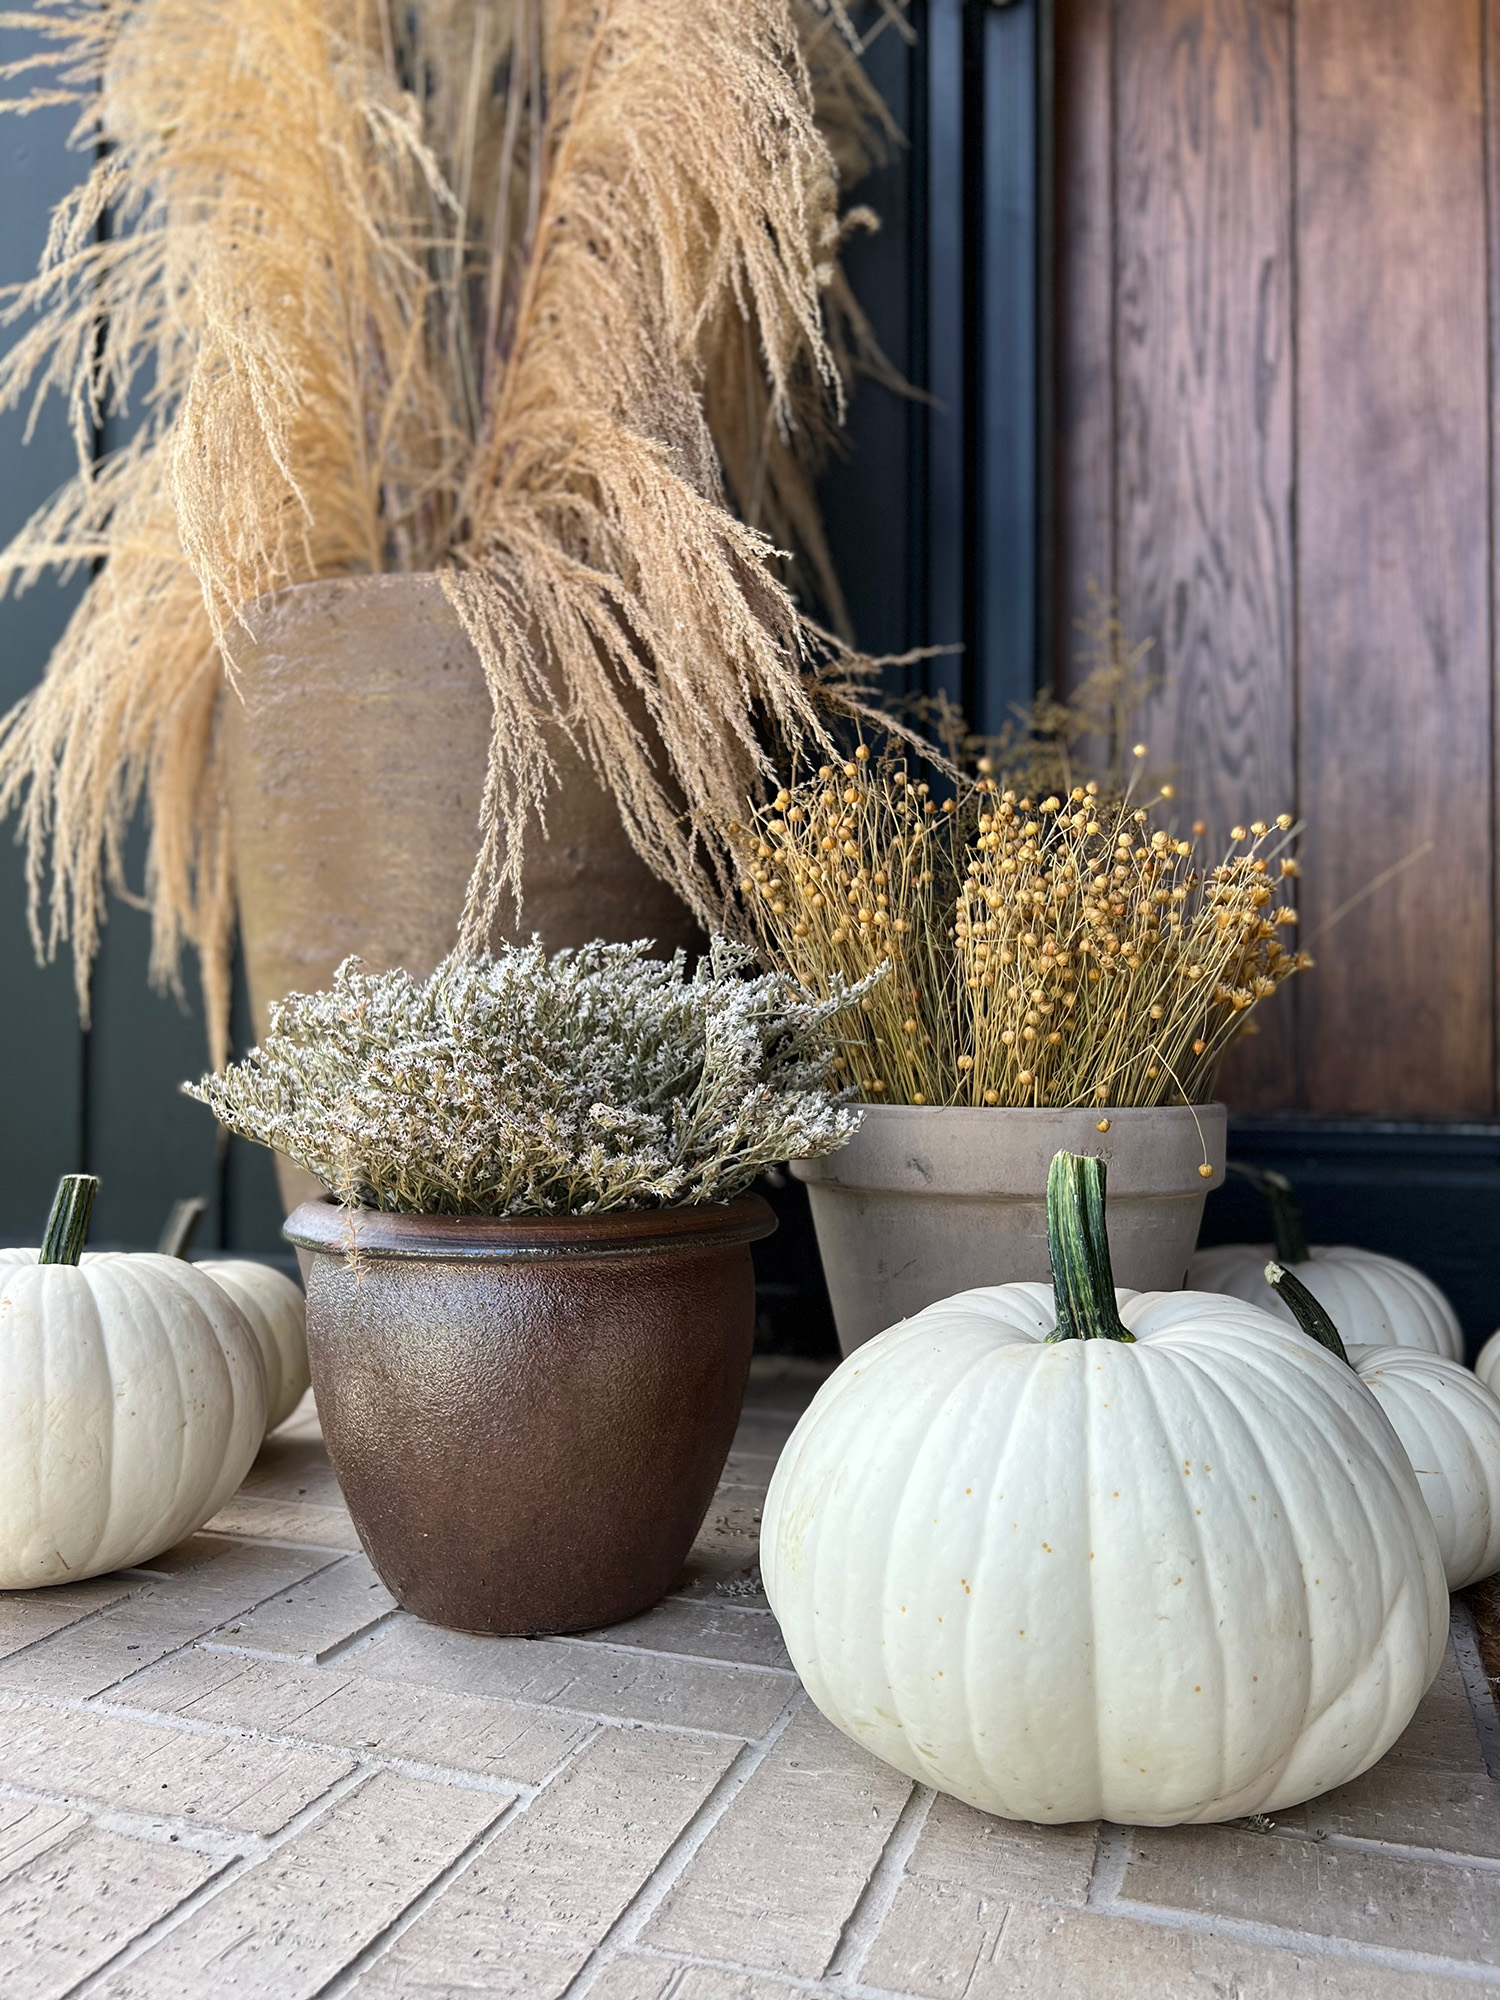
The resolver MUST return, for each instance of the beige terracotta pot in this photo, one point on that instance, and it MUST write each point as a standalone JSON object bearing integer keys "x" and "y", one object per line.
{"x": 928, "y": 1200}
{"x": 357, "y": 741}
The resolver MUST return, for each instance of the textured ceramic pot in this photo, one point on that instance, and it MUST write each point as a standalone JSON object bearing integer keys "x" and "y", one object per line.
{"x": 528, "y": 1419}
{"x": 928, "y": 1200}
{"x": 357, "y": 742}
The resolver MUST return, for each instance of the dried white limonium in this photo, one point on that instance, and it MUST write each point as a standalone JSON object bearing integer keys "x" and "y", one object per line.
{"x": 523, "y": 1084}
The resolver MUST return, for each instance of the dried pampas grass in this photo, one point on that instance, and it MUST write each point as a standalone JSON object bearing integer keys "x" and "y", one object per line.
{"x": 504, "y": 288}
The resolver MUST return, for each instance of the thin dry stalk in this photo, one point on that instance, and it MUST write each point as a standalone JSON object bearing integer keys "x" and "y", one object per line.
{"x": 471, "y": 308}
{"x": 1060, "y": 951}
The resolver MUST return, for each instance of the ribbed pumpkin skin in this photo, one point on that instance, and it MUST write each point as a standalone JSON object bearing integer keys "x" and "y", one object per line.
{"x": 1449, "y": 1423}
{"x": 277, "y": 1311}
{"x": 1487, "y": 1363}
{"x": 132, "y": 1403}
{"x": 1373, "y": 1300}
{"x": 1181, "y": 1580}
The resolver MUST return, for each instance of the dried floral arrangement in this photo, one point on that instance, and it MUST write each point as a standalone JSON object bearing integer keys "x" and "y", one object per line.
{"x": 520, "y": 1084}
{"x": 1062, "y": 950}
{"x": 510, "y": 289}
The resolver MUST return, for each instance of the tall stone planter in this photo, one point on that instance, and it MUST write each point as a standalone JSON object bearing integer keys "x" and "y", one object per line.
{"x": 357, "y": 740}
{"x": 928, "y": 1200}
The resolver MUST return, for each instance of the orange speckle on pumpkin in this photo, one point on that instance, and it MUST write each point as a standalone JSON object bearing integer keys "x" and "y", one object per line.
{"x": 1048, "y": 1547}
{"x": 1197, "y": 1690}
{"x": 965, "y": 1582}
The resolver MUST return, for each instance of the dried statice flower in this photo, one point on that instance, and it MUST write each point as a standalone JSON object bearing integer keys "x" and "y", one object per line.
{"x": 523, "y": 1084}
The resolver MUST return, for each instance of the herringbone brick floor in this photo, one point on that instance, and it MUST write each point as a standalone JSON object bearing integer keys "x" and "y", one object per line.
{"x": 245, "y": 1772}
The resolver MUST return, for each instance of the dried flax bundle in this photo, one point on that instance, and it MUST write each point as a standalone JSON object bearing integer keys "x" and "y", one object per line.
{"x": 493, "y": 287}
{"x": 1060, "y": 951}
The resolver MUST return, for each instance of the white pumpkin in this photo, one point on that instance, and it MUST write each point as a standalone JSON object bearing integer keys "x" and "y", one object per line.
{"x": 132, "y": 1403}
{"x": 1373, "y": 1299}
{"x": 1487, "y": 1365}
{"x": 1179, "y": 1573}
{"x": 1449, "y": 1423}
{"x": 277, "y": 1310}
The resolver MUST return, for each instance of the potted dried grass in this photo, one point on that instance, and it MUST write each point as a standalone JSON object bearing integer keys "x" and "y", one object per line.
{"x": 441, "y": 400}
{"x": 530, "y": 1311}
{"x": 1062, "y": 975}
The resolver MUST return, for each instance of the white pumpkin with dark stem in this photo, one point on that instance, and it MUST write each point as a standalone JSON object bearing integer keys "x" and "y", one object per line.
{"x": 1373, "y": 1299}
{"x": 132, "y": 1403}
{"x": 1152, "y": 1560}
{"x": 1447, "y": 1421}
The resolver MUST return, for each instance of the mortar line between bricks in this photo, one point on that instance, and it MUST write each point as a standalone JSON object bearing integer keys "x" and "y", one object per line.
{"x": 1465, "y": 1637}
{"x": 1307, "y": 1944}
{"x": 661, "y": 1653}
{"x": 664, "y": 1877}
{"x": 1358, "y": 1843}
{"x": 357, "y": 1642}
{"x": 243, "y": 1538}
{"x": 1111, "y": 1859}
{"x": 266, "y": 1845}
{"x": 873, "y": 1904}
{"x": 378, "y": 1946}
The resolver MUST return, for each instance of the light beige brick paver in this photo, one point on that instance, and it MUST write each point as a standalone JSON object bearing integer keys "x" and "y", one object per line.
{"x": 27, "y": 1830}
{"x": 285, "y": 1927}
{"x": 71, "y": 1910}
{"x": 1004, "y": 1857}
{"x": 709, "y": 1631}
{"x": 945, "y": 1943}
{"x": 492, "y": 1739}
{"x": 311, "y": 1617}
{"x": 593, "y": 1680}
{"x": 286, "y": 1521}
{"x": 1359, "y": 1894}
{"x": 161, "y": 1616}
{"x": 142, "y": 1767}
{"x": 524, "y": 1917}
{"x": 777, "y": 1879}
{"x": 29, "y": 1615}
{"x": 638, "y": 1976}
{"x": 1408, "y": 1805}
{"x": 1442, "y": 1730}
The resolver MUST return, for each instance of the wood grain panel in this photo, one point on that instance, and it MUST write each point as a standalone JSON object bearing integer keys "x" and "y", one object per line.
{"x": 1395, "y": 725}
{"x": 1082, "y": 320}
{"x": 1204, "y": 388}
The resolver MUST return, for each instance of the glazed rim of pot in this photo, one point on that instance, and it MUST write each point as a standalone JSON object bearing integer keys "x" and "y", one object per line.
{"x": 328, "y": 1226}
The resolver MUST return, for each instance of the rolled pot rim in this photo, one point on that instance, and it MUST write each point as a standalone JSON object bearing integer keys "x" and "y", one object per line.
{"x": 326, "y": 1226}
{"x": 1113, "y": 1112}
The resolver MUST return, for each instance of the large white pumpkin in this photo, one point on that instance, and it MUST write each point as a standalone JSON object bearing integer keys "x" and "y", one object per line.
{"x": 1487, "y": 1365}
{"x": 132, "y": 1403}
{"x": 1180, "y": 1577}
{"x": 277, "y": 1311}
{"x": 1374, "y": 1300}
{"x": 1449, "y": 1423}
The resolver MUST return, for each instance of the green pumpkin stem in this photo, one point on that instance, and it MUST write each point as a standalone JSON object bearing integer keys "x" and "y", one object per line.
{"x": 1082, "y": 1281}
{"x": 68, "y": 1224}
{"x": 1287, "y": 1229}
{"x": 1305, "y": 1309}
{"x": 181, "y": 1226}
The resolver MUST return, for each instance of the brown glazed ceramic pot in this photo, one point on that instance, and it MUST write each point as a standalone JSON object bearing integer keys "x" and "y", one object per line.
{"x": 528, "y": 1418}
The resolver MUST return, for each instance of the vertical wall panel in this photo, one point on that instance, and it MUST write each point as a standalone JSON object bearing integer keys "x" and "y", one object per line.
{"x": 41, "y": 1133}
{"x": 1203, "y": 381}
{"x": 1394, "y": 583}
{"x": 1082, "y": 320}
